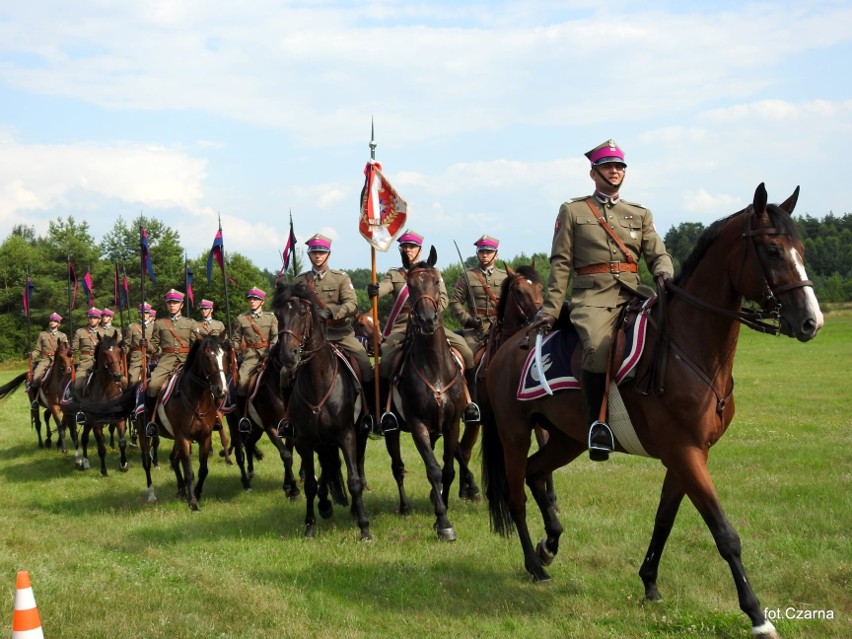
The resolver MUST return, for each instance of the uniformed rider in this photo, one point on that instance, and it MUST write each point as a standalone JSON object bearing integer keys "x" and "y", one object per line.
{"x": 597, "y": 241}
{"x": 83, "y": 345}
{"x": 255, "y": 332}
{"x": 132, "y": 342}
{"x": 338, "y": 304}
{"x": 107, "y": 328}
{"x": 207, "y": 325}
{"x": 47, "y": 342}
{"x": 394, "y": 281}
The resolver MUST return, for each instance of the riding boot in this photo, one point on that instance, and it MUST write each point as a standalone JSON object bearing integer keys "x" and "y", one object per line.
{"x": 389, "y": 421}
{"x": 368, "y": 422}
{"x": 471, "y": 411}
{"x": 244, "y": 425}
{"x": 151, "y": 429}
{"x": 601, "y": 442}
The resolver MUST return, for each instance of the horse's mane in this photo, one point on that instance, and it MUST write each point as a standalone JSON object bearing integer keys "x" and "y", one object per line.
{"x": 284, "y": 291}
{"x": 779, "y": 219}
{"x": 528, "y": 272}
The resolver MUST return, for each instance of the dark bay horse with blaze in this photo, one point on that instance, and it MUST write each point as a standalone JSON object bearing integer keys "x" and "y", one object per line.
{"x": 323, "y": 406}
{"x": 754, "y": 254}
{"x": 428, "y": 392}
{"x": 107, "y": 382}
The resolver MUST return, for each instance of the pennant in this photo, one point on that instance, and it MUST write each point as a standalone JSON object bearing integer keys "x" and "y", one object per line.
{"x": 147, "y": 265}
{"x": 88, "y": 289}
{"x": 115, "y": 296}
{"x": 383, "y": 211}
{"x": 217, "y": 253}
{"x": 124, "y": 299}
{"x": 72, "y": 277}
{"x": 289, "y": 252}
{"x": 188, "y": 281}
{"x": 29, "y": 287}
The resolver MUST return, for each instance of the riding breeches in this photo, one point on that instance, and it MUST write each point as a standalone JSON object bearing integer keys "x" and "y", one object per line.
{"x": 595, "y": 327}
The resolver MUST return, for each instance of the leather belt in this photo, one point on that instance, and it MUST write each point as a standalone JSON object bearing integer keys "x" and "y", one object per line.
{"x": 487, "y": 312}
{"x": 47, "y": 353}
{"x": 607, "y": 267}
{"x": 257, "y": 345}
{"x": 175, "y": 350}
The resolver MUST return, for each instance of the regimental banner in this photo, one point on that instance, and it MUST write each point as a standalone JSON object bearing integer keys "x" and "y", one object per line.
{"x": 383, "y": 211}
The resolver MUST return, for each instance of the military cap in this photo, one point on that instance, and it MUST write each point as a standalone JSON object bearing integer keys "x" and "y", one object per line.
{"x": 486, "y": 243}
{"x": 205, "y": 304}
{"x": 108, "y": 313}
{"x": 173, "y": 296}
{"x": 93, "y": 312}
{"x": 319, "y": 244}
{"x": 54, "y": 317}
{"x": 256, "y": 292}
{"x": 606, "y": 153}
{"x": 410, "y": 237}
{"x": 144, "y": 307}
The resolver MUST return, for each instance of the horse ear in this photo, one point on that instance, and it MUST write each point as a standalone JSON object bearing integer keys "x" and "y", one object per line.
{"x": 509, "y": 270}
{"x": 790, "y": 203}
{"x": 532, "y": 266}
{"x": 406, "y": 263}
{"x": 433, "y": 256}
{"x": 760, "y": 199}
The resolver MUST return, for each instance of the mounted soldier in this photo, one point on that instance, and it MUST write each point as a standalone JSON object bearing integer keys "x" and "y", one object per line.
{"x": 255, "y": 332}
{"x": 207, "y": 325}
{"x": 83, "y": 345}
{"x": 106, "y": 328}
{"x": 47, "y": 342}
{"x": 132, "y": 342}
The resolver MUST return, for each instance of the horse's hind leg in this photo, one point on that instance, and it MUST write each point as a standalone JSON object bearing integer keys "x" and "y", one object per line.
{"x": 691, "y": 470}
{"x": 203, "y": 455}
{"x": 310, "y": 491}
{"x": 145, "y": 453}
{"x": 122, "y": 446}
{"x": 355, "y": 484}
{"x": 101, "y": 442}
{"x": 112, "y": 436}
{"x": 81, "y": 453}
{"x": 467, "y": 482}
{"x": 398, "y": 470}
{"x": 48, "y": 431}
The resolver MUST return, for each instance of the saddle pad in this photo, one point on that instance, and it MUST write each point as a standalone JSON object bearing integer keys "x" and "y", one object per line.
{"x": 556, "y": 350}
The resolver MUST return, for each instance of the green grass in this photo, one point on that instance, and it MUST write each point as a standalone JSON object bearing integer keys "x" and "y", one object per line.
{"x": 105, "y": 564}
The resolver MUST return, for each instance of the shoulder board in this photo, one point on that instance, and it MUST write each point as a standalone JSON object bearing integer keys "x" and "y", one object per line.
{"x": 579, "y": 199}
{"x": 638, "y": 206}
{"x": 337, "y": 271}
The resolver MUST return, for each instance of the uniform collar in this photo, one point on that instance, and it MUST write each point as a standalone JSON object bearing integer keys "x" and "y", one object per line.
{"x": 175, "y": 317}
{"x": 487, "y": 271}
{"x": 319, "y": 274}
{"x": 607, "y": 200}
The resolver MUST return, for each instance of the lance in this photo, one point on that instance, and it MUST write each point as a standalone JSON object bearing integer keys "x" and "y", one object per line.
{"x": 143, "y": 375}
{"x": 118, "y": 289}
{"x": 68, "y": 290}
{"x": 377, "y": 351}
{"x": 225, "y": 280}
{"x": 27, "y": 293}
{"x": 470, "y": 297}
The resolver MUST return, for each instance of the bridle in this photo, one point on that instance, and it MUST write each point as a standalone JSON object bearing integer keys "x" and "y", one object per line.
{"x": 526, "y": 314}
{"x": 766, "y": 318}
{"x": 424, "y": 297}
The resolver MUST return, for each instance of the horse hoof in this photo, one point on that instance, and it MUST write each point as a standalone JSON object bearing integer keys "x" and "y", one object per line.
{"x": 366, "y": 536}
{"x": 309, "y": 532}
{"x": 48, "y": 444}
{"x": 766, "y": 631}
{"x": 193, "y": 507}
{"x": 544, "y": 555}
{"x": 41, "y": 444}
{"x": 539, "y": 576}
{"x": 123, "y": 467}
{"x": 326, "y": 513}
{"x": 447, "y": 534}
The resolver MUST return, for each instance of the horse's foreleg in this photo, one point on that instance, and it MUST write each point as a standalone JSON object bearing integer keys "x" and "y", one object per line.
{"x": 691, "y": 470}
{"x": 122, "y": 445}
{"x": 310, "y": 491}
{"x": 670, "y": 499}
{"x": 203, "y": 454}
{"x": 239, "y": 451}
{"x": 285, "y": 452}
{"x": 100, "y": 440}
{"x": 397, "y": 469}
{"x": 224, "y": 440}
{"x": 112, "y": 436}
{"x": 559, "y": 451}
{"x": 451, "y": 452}
{"x": 355, "y": 484}
{"x": 48, "y": 431}
{"x": 434, "y": 474}
{"x": 36, "y": 422}
{"x": 175, "y": 461}
{"x": 145, "y": 453}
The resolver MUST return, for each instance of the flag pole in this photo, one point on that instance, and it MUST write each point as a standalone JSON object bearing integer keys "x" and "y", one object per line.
{"x": 27, "y": 293}
{"x": 68, "y": 290}
{"x": 144, "y": 372}
{"x": 375, "y": 300}
{"x": 225, "y": 280}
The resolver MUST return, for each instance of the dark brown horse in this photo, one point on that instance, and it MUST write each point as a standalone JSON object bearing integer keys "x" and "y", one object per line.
{"x": 107, "y": 382}
{"x": 267, "y": 414}
{"x": 323, "y": 405}
{"x": 520, "y": 299}
{"x": 428, "y": 392}
{"x": 49, "y": 395}
{"x": 189, "y": 416}
{"x": 753, "y": 254}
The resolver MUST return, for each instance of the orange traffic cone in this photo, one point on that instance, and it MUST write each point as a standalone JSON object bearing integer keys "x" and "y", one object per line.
{"x": 26, "y": 623}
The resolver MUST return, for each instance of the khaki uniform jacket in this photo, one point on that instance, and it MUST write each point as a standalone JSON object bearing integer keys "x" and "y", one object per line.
{"x": 210, "y": 327}
{"x": 46, "y": 344}
{"x": 579, "y": 240}
{"x": 254, "y": 347}
{"x": 172, "y": 351}
{"x": 479, "y": 283}
{"x": 132, "y": 343}
{"x": 83, "y": 343}
{"x": 112, "y": 330}
{"x": 334, "y": 291}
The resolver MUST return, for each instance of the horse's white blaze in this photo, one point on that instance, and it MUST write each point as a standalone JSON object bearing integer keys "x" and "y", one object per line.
{"x": 810, "y": 296}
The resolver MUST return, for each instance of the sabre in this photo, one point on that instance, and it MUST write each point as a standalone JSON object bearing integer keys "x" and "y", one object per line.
{"x": 470, "y": 297}
{"x": 538, "y": 365}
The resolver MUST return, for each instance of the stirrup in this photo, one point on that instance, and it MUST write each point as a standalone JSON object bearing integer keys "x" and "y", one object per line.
{"x": 389, "y": 422}
{"x": 80, "y": 417}
{"x": 244, "y": 425}
{"x": 34, "y": 405}
{"x": 601, "y": 442}
{"x": 472, "y": 414}
{"x": 285, "y": 429}
{"x": 151, "y": 430}
{"x": 367, "y": 423}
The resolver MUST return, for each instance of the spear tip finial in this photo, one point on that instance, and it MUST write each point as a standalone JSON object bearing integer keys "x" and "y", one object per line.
{"x": 373, "y": 144}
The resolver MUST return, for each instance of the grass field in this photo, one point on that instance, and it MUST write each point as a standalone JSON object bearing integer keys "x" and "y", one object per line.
{"x": 106, "y": 565}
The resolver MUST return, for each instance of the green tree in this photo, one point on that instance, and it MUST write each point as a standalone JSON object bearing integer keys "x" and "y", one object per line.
{"x": 681, "y": 239}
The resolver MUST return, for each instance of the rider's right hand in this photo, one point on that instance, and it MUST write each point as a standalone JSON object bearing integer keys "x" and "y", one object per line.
{"x": 373, "y": 289}
{"x": 543, "y": 322}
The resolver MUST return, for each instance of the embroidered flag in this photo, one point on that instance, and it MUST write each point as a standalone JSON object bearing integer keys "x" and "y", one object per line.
{"x": 88, "y": 289}
{"x": 28, "y": 293}
{"x": 147, "y": 265}
{"x": 383, "y": 211}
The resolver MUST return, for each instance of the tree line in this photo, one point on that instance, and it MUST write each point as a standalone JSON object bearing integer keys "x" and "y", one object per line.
{"x": 45, "y": 260}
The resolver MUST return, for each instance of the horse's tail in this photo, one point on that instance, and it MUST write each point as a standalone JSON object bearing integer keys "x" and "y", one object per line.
{"x": 329, "y": 459}
{"x": 105, "y": 411}
{"x": 494, "y": 481}
{"x": 10, "y": 387}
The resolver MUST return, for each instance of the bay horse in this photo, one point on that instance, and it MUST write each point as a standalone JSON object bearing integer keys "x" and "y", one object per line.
{"x": 428, "y": 392}
{"x": 189, "y": 416}
{"x": 519, "y": 301}
{"x": 108, "y": 381}
{"x": 323, "y": 406}
{"x": 754, "y": 254}
{"x": 267, "y": 413}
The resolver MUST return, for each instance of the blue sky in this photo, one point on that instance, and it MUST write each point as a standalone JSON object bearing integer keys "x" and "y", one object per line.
{"x": 188, "y": 111}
